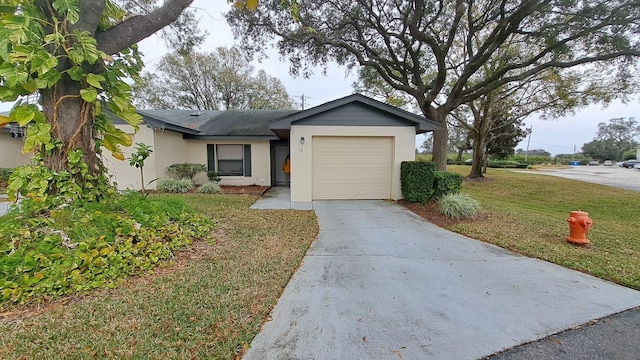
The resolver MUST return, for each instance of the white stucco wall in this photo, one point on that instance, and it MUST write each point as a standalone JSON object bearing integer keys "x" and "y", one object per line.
{"x": 11, "y": 155}
{"x": 168, "y": 148}
{"x": 125, "y": 175}
{"x": 301, "y": 159}
{"x": 260, "y": 161}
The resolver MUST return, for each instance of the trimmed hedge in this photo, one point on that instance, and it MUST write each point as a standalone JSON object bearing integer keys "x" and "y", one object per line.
{"x": 416, "y": 180}
{"x": 507, "y": 164}
{"x": 446, "y": 183}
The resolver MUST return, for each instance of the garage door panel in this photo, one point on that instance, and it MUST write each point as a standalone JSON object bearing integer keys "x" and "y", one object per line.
{"x": 352, "y": 167}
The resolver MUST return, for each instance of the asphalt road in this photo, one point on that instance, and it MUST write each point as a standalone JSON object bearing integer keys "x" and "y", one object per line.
{"x": 614, "y": 176}
{"x": 616, "y": 337}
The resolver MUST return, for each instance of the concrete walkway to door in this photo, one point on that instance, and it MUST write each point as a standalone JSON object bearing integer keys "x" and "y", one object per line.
{"x": 382, "y": 283}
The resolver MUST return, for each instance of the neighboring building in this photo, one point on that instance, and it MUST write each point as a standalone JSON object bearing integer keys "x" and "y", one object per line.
{"x": 11, "y": 143}
{"x": 350, "y": 148}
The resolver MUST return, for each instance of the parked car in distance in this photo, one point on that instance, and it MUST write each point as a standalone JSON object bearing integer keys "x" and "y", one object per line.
{"x": 608, "y": 163}
{"x": 630, "y": 163}
{"x": 636, "y": 166}
{"x": 594, "y": 163}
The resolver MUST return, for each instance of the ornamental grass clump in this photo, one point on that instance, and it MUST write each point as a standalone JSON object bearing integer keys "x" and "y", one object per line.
{"x": 459, "y": 206}
{"x": 176, "y": 185}
{"x": 210, "y": 187}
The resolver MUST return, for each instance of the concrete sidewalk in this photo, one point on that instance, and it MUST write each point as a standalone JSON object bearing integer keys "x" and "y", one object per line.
{"x": 382, "y": 283}
{"x": 280, "y": 198}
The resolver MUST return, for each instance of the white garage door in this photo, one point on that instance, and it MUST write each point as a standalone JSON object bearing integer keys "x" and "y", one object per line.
{"x": 352, "y": 167}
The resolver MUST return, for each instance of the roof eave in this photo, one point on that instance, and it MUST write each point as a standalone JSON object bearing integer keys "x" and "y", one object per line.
{"x": 230, "y": 137}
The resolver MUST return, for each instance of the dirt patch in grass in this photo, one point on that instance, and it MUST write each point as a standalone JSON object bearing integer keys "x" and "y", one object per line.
{"x": 247, "y": 190}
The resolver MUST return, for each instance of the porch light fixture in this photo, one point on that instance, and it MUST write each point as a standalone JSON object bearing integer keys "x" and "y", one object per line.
{"x": 302, "y": 140}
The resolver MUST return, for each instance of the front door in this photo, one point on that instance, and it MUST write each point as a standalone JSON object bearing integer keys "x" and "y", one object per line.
{"x": 281, "y": 151}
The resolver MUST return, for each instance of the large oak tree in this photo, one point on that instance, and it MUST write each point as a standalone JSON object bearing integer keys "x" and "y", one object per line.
{"x": 66, "y": 61}
{"x": 410, "y": 43}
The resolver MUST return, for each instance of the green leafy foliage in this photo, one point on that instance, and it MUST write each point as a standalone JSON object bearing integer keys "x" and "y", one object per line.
{"x": 143, "y": 151}
{"x": 459, "y": 206}
{"x": 211, "y": 187}
{"x": 445, "y": 183}
{"x": 186, "y": 170}
{"x": 76, "y": 249}
{"x": 36, "y": 49}
{"x": 5, "y": 173}
{"x": 175, "y": 185}
{"x": 213, "y": 176}
{"x": 35, "y": 182}
{"x": 416, "y": 180}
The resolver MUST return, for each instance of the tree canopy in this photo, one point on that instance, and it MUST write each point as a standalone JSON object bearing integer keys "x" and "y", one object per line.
{"x": 435, "y": 50}
{"x": 222, "y": 79}
{"x": 613, "y": 139}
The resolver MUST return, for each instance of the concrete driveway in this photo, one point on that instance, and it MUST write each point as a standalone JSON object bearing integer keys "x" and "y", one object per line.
{"x": 381, "y": 283}
{"x": 4, "y": 205}
{"x": 613, "y": 176}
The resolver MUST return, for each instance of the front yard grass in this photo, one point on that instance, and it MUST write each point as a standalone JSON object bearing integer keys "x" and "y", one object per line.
{"x": 527, "y": 213}
{"x": 209, "y": 305}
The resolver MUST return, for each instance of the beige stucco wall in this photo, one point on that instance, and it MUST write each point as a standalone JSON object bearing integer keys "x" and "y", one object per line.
{"x": 168, "y": 148}
{"x": 301, "y": 159}
{"x": 11, "y": 155}
{"x": 260, "y": 161}
{"x": 125, "y": 175}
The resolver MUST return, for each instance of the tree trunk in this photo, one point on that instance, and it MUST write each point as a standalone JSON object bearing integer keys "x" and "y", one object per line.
{"x": 71, "y": 120}
{"x": 460, "y": 152}
{"x": 478, "y": 156}
{"x": 440, "y": 140}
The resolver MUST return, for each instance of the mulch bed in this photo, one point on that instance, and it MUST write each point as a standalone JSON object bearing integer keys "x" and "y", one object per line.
{"x": 249, "y": 189}
{"x": 431, "y": 213}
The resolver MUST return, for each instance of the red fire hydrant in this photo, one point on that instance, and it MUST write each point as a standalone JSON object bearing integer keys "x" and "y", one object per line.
{"x": 579, "y": 224}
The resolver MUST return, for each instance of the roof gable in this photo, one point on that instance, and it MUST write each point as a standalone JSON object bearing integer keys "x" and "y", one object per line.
{"x": 357, "y": 110}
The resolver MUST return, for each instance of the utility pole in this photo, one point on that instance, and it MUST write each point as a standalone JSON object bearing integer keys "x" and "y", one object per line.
{"x": 302, "y": 98}
{"x": 526, "y": 154}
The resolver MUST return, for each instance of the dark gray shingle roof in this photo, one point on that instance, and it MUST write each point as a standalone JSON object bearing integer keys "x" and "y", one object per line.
{"x": 215, "y": 122}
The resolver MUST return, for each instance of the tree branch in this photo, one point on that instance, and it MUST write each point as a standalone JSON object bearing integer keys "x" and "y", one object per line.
{"x": 137, "y": 28}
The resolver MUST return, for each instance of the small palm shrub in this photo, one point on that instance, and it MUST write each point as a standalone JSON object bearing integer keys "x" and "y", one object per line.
{"x": 210, "y": 187}
{"x": 459, "y": 206}
{"x": 176, "y": 185}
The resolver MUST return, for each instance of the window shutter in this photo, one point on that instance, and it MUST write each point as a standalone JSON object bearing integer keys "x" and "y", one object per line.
{"x": 211, "y": 159}
{"x": 247, "y": 160}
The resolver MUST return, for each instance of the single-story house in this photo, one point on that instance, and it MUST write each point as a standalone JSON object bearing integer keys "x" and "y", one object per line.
{"x": 349, "y": 148}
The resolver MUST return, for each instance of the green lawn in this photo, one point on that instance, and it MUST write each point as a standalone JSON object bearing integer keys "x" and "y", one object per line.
{"x": 527, "y": 213}
{"x": 209, "y": 305}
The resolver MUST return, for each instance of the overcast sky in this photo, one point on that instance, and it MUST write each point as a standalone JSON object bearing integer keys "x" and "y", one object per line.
{"x": 556, "y": 136}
